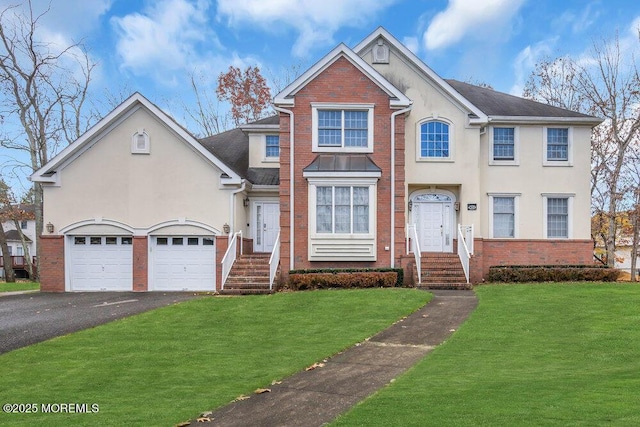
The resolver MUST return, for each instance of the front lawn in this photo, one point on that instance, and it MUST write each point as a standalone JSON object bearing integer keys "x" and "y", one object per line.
{"x": 19, "y": 286}
{"x": 543, "y": 354}
{"x": 168, "y": 365}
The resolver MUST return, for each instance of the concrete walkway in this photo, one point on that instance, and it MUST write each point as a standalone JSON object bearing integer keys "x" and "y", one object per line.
{"x": 318, "y": 396}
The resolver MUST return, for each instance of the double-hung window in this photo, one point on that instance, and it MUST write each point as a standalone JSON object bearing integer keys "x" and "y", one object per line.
{"x": 272, "y": 146}
{"x": 339, "y": 128}
{"x": 504, "y": 216}
{"x": 435, "y": 140}
{"x": 504, "y": 147}
{"x": 557, "y": 217}
{"x": 342, "y": 210}
{"x": 557, "y": 146}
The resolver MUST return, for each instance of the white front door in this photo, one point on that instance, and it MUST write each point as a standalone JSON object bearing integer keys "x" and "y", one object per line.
{"x": 266, "y": 225}
{"x": 433, "y": 223}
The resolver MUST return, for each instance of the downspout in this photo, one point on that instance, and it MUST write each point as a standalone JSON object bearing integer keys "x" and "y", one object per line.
{"x": 232, "y": 201}
{"x": 291, "y": 186}
{"x": 393, "y": 181}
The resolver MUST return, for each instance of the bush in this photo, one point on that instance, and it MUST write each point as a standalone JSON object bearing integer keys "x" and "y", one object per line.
{"x": 354, "y": 278}
{"x": 552, "y": 273}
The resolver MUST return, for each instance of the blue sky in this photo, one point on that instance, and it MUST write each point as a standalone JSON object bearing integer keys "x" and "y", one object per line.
{"x": 154, "y": 46}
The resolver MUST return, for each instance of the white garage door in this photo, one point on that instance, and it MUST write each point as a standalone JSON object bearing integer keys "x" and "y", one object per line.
{"x": 100, "y": 263}
{"x": 183, "y": 263}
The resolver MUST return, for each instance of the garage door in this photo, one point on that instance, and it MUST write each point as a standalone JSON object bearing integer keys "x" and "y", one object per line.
{"x": 100, "y": 263}
{"x": 183, "y": 263}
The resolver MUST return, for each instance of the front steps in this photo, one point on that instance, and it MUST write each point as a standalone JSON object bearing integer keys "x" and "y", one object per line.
{"x": 249, "y": 275}
{"x": 441, "y": 271}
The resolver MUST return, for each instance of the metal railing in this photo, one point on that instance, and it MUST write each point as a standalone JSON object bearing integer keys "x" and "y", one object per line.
{"x": 414, "y": 246}
{"x": 464, "y": 233}
{"x": 274, "y": 261}
{"x": 230, "y": 256}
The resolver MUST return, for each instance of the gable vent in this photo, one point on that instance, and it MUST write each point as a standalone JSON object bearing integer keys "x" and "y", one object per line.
{"x": 380, "y": 53}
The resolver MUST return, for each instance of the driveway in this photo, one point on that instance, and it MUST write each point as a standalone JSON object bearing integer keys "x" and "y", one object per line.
{"x": 29, "y": 318}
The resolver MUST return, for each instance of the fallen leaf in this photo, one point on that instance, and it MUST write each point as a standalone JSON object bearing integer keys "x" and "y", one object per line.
{"x": 206, "y": 414}
{"x": 314, "y": 366}
{"x": 184, "y": 424}
{"x": 203, "y": 419}
{"x": 262, "y": 390}
{"x": 274, "y": 382}
{"x": 425, "y": 315}
{"x": 452, "y": 330}
{"x": 241, "y": 397}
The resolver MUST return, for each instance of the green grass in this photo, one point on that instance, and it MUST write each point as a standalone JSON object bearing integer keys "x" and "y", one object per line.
{"x": 539, "y": 355}
{"x": 168, "y": 365}
{"x": 19, "y": 286}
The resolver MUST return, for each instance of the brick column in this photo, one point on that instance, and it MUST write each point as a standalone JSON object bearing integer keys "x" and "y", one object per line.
{"x": 140, "y": 264}
{"x": 222, "y": 243}
{"x": 51, "y": 263}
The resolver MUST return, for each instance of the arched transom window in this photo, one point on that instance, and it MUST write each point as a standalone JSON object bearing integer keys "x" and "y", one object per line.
{"x": 435, "y": 140}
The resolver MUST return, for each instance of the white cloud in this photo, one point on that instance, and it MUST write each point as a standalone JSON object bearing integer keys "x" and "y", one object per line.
{"x": 463, "y": 17}
{"x": 165, "y": 38}
{"x": 526, "y": 61}
{"x": 412, "y": 44}
{"x": 315, "y": 21}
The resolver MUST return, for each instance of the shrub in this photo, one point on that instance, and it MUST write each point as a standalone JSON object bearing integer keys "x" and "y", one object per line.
{"x": 322, "y": 279}
{"x": 552, "y": 273}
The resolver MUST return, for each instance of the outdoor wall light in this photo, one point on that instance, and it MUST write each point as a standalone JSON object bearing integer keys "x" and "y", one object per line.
{"x": 49, "y": 228}
{"x": 226, "y": 228}
{"x": 245, "y": 202}
{"x": 410, "y": 205}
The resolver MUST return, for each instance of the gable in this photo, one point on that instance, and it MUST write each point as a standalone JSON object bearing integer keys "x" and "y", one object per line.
{"x": 134, "y": 105}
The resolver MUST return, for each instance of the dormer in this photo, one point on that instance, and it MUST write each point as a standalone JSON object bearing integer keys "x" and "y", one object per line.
{"x": 264, "y": 142}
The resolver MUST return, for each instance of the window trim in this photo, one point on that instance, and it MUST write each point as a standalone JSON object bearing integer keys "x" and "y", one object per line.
{"x": 316, "y": 106}
{"x": 266, "y": 157}
{"x": 516, "y": 214}
{"x": 516, "y": 147}
{"x": 452, "y": 144}
{"x": 545, "y": 225}
{"x": 371, "y": 183}
{"x": 545, "y": 137}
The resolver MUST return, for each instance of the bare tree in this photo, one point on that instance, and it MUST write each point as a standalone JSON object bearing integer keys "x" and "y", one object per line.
{"x": 7, "y": 264}
{"x": 605, "y": 85}
{"x": 207, "y": 114}
{"x": 44, "y": 89}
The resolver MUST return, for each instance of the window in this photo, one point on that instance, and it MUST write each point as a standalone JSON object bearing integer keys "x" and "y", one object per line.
{"x": 23, "y": 225}
{"x": 19, "y": 251}
{"x": 126, "y": 240}
{"x": 207, "y": 241}
{"x": 435, "y": 140}
{"x": 192, "y": 241}
{"x": 272, "y": 147}
{"x": 79, "y": 241}
{"x": 504, "y": 145}
{"x": 504, "y": 217}
{"x": 162, "y": 241}
{"x": 557, "y": 217}
{"x": 557, "y": 147}
{"x": 342, "y": 210}
{"x": 340, "y": 128}
{"x": 177, "y": 241}
{"x": 111, "y": 240}
{"x": 95, "y": 240}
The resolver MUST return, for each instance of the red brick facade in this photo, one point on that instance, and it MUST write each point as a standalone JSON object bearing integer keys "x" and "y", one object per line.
{"x": 51, "y": 263}
{"x": 341, "y": 82}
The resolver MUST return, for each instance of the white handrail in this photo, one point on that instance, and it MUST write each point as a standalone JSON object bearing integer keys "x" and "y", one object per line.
{"x": 230, "y": 257}
{"x": 463, "y": 250}
{"x": 274, "y": 261}
{"x": 412, "y": 240}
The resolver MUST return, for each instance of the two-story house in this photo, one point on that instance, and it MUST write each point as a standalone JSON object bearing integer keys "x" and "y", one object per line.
{"x": 25, "y": 225}
{"x": 373, "y": 160}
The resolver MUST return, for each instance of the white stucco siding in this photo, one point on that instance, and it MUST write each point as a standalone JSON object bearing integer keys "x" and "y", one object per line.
{"x": 258, "y": 151}
{"x": 140, "y": 190}
{"x": 531, "y": 179}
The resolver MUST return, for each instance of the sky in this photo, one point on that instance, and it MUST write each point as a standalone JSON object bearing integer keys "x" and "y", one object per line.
{"x": 155, "y": 46}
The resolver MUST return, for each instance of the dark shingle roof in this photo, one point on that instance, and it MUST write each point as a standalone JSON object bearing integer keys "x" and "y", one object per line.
{"x": 232, "y": 148}
{"x": 13, "y": 235}
{"x": 494, "y": 103}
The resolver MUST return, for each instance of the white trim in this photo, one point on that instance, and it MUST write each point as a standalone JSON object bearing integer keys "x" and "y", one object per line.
{"x": 134, "y": 102}
{"x": 569, "y": 197}
{"x": 557, "y": 163}
{"x": 286, "y": 96}
{"x": 315, "y": 106}
{"x": 263, "y": 144}
{"x": 96, "y": 221}
{"x": 446, "y": 87}
{"x": 146, "y": 148}
{"x": 516, "y": 147}
{"x": 452, "y": 213}
{"x": 452, "y": 144}
{"x": 337, "y": 175}
{"x": 151, "y": 230}
{"x": 516, "y": 214}
{"x": 565, "y": 121}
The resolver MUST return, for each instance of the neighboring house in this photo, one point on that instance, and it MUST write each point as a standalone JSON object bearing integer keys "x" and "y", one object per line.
{"x": 16, "y": 250}
{"x": 372, "y": 154}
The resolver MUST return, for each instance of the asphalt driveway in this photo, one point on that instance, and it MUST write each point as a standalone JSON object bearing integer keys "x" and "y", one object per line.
{"x": 29, "y": 318}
